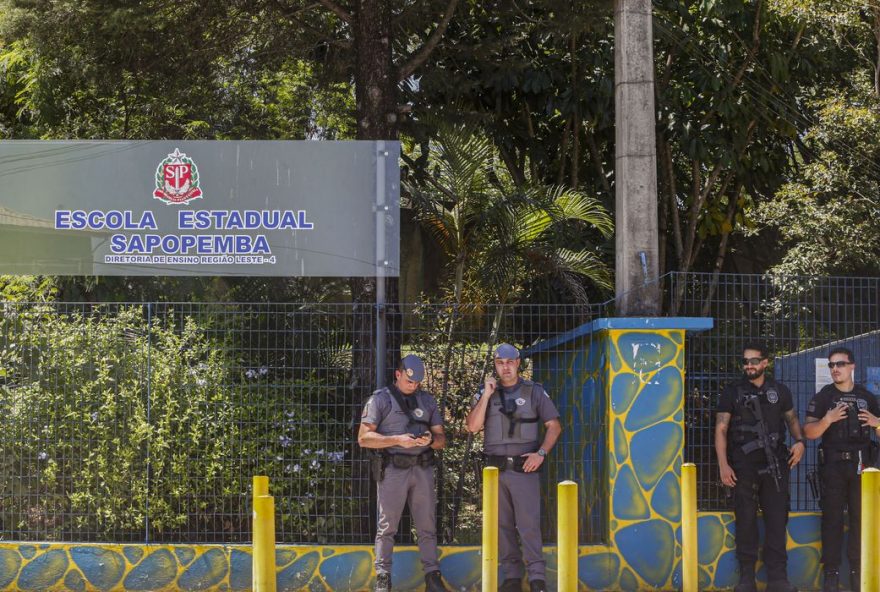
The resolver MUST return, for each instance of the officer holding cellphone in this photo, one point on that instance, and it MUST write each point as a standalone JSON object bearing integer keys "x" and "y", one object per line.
{"x": 512, "y": 410}
{"x": 403, "y": 427}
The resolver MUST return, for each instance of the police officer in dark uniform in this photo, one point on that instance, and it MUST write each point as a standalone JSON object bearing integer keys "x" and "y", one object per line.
{"x": 511, "y": 410}
{"x": 403, "y": 427}
{"x": 753, "y": 459}
{"x": 844, "y": 415}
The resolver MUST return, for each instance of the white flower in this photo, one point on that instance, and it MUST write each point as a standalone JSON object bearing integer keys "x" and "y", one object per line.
{"x": 43, "y": 455}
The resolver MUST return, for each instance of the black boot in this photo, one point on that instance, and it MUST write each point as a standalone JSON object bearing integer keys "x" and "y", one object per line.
{"x": 537, "y": 586}
{"x": 832, "y": 579}
{"x": 383, "y": 582}
{"x": 434, "y": 582}
{"x": 511, "y": 585}
{"x": 746, "y": 578}
{"x": 781, "y": 586}
{"x": 855, "y": 580}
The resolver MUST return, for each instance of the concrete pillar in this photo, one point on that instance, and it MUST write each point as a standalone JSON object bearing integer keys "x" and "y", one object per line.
{"x": 635, "y": 173}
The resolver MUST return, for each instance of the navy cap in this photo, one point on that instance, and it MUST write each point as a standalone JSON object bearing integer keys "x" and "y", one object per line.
{"x": 413, "y": 368}
{"x": 506, "y": 351}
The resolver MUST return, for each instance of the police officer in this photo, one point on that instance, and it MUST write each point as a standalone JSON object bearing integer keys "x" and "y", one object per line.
{"x": 511, "y": 409}
{"x": 403, "y": 427}
{"x": 844, "y": 415}
{"x": 754, "y": 411}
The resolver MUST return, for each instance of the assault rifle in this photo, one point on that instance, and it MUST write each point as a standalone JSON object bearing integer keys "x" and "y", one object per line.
{"x": 763, "y": 440}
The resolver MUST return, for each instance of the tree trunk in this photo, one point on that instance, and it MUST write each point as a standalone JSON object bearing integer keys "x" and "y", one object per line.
{"x": 375, "y": 95}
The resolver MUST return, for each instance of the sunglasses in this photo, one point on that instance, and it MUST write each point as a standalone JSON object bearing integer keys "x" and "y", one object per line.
{"x": 752, "y": 361}
{"x": 838, "y": 364}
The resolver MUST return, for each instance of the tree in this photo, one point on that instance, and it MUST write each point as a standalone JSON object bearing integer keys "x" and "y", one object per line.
{"x": 498, "y": 236}
{"x": 828, "y": 204}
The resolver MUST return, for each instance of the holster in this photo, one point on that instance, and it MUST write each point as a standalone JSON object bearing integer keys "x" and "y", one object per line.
{"x": 377, "y": 466}
{"x": 815, "y": 486}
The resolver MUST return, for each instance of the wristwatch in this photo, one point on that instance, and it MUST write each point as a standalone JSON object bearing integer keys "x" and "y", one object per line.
{"x": 542, "y": 453}
{"x": 799, "y": 441}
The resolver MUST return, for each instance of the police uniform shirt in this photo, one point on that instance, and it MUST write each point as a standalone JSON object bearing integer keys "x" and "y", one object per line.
{"x": 382, "y": 412}
{"x": 776, "y": 401}
{"x": 543, "y": 407}
{"x": 827, "y": 398}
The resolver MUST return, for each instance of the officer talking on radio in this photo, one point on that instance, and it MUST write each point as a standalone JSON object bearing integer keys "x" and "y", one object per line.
{"x": 844, "y": 415}
{"x": 403, "y": 427}
{"x": 753, "y": 459}
{"x": 511, "y": 410}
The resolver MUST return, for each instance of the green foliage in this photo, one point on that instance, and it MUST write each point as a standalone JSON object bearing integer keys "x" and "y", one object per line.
{"x": 499, "y": 236}
{"x": 192, "y": 70}
{"x": 826, "y": 216}
{"x": 90, "y": 400}
{"x": 27, "y": 288}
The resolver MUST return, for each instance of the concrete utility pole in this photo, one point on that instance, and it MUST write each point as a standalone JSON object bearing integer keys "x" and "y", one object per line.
{"x": 635, "y": 167}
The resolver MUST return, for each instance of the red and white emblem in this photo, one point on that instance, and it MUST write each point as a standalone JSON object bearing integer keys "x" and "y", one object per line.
{"x": 177, "y": 179}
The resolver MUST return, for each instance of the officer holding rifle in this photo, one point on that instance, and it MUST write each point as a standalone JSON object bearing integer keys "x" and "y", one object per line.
{"x": 754, "y": 461}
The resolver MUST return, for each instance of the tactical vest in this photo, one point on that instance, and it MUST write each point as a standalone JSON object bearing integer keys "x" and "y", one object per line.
{"x": 744, "y": 423}
{"x": 411, "y": 418}
{"x": 849, "y": 433}
{"x": 513, "y": 420}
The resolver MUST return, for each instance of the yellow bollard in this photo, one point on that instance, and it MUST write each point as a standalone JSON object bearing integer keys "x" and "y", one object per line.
{"x": 490, "y": 529}
{"x": 689, "y": 550}
{"x": 567, "y": 530}
{"x": 870, "y": 529}
{"x": 261, "y": 485}
{"x": 264, "y": 576}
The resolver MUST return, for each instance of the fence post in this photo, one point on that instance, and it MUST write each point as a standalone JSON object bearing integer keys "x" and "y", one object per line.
{"x": 567, "y": 529}
{"x": 490, "y": 529}
{"x": 689, "y": 551}
{"x": 870, "y": 530}
{"x": 264, "y": 577}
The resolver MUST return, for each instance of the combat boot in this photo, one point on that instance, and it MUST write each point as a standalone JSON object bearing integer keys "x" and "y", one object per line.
{"x": 383, "y": 582}
{"x": 832, "y": 579}
{"x": 434, "y": 582}
{"x": 537, "y": 586}
{"x": 855, "y": 580}
{"x": 746, "y": 578}
{"x": 511, "y": 585}
{"x": 781, "y": 586}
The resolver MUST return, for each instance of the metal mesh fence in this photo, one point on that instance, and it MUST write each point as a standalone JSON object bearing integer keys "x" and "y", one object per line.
{"x": 146, "y": 421}
{"x": 800, "y": 319}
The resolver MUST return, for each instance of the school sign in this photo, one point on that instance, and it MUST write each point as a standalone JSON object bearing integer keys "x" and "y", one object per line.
{"x": 255, "y": 208}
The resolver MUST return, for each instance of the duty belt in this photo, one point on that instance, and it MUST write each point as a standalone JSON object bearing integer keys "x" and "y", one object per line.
{"x": 836, "y": 455}
{"x": 406, "y": 461}
{"x": 505, "y": 463}
{"x": 826, "y": 456}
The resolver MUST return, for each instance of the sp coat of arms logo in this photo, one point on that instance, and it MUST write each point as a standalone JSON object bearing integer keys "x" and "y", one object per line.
{"x": 177, "y": 179}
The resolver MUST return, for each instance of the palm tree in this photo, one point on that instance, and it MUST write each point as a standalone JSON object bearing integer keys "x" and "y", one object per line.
{"x": 497, "y": 235}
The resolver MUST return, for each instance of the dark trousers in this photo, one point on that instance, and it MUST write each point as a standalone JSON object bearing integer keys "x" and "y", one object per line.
{"x": 754, "y": 489}
{"x": 841, "y": 489}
